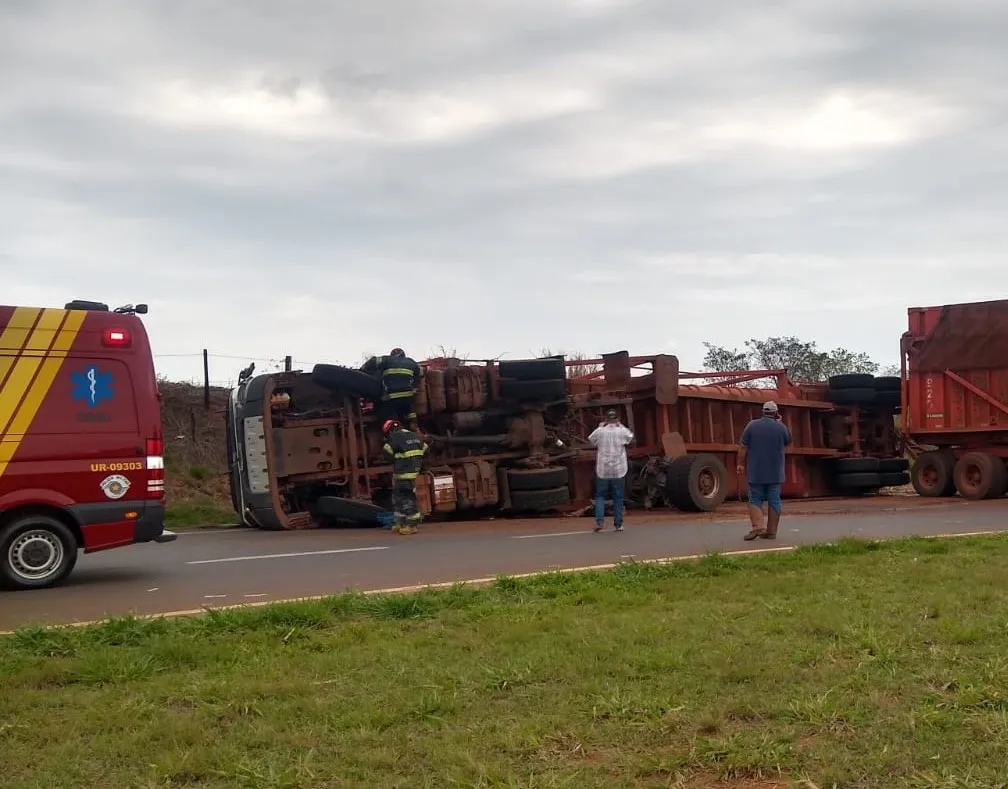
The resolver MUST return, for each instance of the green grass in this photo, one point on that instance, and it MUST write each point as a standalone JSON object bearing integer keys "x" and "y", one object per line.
{"x": 193, "y": 514}
{"x": 851, "y": 665}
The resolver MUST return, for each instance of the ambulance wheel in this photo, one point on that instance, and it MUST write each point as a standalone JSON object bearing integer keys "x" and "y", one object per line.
{"x": 36, "y": 552}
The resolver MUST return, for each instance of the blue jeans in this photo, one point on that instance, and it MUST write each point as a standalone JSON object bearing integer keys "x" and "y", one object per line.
{"x": 609, "y": 489}
{"x": 769, "y": 493}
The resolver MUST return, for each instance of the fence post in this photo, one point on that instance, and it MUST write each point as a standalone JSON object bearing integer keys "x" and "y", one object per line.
{"x": 288, "y": 364}
{"x": 206, "y": 380}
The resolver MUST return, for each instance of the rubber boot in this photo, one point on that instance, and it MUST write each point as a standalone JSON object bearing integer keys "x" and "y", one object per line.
{"x": 773, "y": 519}
{"x": 756, "y": 524}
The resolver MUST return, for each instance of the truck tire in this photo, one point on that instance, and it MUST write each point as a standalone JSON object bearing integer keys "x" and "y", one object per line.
{"x": 855, "y": 465}
{"x": 552, "y": 367}
{"x": 337, "y": 378}
{"x": 349, "y": 510}
{"x": 888, "y": 383}
{"x": 894, "y": 479}
{"x": 862, "y": 480}
{"x": 852, "y": 381}
{"x": 696, "y": 483}
{"x": 539, "y": 500}
{"x": 931, "y": 475}
{"x": 36, "y": 552}
{"x": 537, "y": 478}
{"x": 533, "y": 391}
{"x": 851, "y": 396}
{"x": 884, "y": 399}
{"x": 979, "y": 475}
{"x": 891, "y": 465}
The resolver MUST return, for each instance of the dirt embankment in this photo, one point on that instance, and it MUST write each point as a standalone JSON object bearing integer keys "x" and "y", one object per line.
{"x": 195, "y": 443}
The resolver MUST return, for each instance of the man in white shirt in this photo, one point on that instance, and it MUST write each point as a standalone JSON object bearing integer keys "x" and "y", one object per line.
{"x": 610, "y": 440}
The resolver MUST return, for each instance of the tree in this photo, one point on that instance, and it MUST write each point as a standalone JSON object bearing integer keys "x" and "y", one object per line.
{"x": 804, "y": 362}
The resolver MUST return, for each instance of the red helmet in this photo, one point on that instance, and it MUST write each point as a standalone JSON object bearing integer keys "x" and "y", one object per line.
{"x": 389, "y": 426}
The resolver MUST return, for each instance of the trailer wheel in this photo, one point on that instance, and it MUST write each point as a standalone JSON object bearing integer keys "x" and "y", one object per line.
{"x": 539, "y": 500}
{"x": 852, "y": 381}
{"x": 885, "y": 399}
{"x": 979, "y": 475}
{"x": 533, "y": 391}
{"x": 894, "y": 479}
{"x": 855, "y": 465}
{"x": 696, "y": 483}
{"x": 533, "y": 369}
{"x": 36, "y": 552}
{"x": 537, "y": 478}
{"x": 858, "y": 481}
{"x": 931, "y": 475}
{"x": 337, "y": 378}
{"x": 851, "y": 396}
{"x": 348, "y": 509}
{"x": 1002, "y": 487}
{"x": 891, "y": 465}
{"x": 888, "y": 383}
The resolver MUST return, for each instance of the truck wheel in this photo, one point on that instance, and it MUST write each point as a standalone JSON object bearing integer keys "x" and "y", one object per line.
{"x": 854, "y": 465}
{"x": 888, "y": 383}
{"x": 533, "y": 369}
{"x": 858, "y": 481}
{"x": 348, "y": 509}
{"x": 337, "y": 378}
{"x": 894, "y": 479}
{"x": 533, "y": 391}
{"x": 891, "y": 465}
{"x": 851, "y": 396}
{"x": 979, "y": 475}
{"x": 884, "y": 399}
{"x": 36, "y": 552}
{"x": 537, "y": 478}
{"x": 931, "y": 475}
{"x": 538, "y": 500}
{"x": 852, "y": 381}
{"x": 696, "y": 483}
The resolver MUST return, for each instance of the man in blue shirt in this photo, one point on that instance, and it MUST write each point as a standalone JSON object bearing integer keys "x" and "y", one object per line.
{"x": 761, "y": 459}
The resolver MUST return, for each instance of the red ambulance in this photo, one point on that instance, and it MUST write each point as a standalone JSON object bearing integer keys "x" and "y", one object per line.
{"x": 81, "y": 446}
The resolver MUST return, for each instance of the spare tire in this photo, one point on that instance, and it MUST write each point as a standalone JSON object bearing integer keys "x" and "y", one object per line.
{"x": 891, "y": 465}
{"x": 533, "y": 369}
{"x": 696, "y": 483}
{"x": 864, "y": 480}
{"x": 537, "y": 478}
{"x": 854, "y": 465}
{"x": 346, "y": 380}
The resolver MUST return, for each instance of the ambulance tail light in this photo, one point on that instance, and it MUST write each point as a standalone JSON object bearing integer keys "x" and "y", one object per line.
{"x": 116, "y": 338}
{"x": 155, "y": 469}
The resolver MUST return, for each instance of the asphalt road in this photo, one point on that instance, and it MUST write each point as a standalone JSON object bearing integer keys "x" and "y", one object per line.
{"x": 240, "y": 566}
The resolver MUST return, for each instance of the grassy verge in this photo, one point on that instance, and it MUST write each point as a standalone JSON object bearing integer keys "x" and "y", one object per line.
{"x": 198, "y": 513}
{"x": 852, "y": 665}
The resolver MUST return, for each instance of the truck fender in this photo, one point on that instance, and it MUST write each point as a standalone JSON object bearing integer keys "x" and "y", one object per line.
{"x": 29, "y": 496}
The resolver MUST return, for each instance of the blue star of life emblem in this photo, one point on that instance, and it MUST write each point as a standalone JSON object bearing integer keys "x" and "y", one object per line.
{"x": 91, "y": 387}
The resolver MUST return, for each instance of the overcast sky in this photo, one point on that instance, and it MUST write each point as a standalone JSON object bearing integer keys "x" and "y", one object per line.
{"x": 327, "y": 179}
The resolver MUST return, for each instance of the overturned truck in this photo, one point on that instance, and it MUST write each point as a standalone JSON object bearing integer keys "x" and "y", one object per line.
{"x": 511, "y": 437}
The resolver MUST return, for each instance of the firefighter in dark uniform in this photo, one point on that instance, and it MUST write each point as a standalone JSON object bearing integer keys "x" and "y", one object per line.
{"x": 399, "y": 376}
{"x": 406, "y": 450}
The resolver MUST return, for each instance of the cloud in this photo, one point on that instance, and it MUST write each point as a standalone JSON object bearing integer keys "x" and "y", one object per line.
{"x": 326, "y": 180}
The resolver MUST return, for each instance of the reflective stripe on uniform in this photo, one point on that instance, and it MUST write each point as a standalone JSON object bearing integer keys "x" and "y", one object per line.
{"x": 410, "y": 453}
{"x": 408, "y": 475}
{"x": 400, "y": 395}
{"x": 398, "y": 371}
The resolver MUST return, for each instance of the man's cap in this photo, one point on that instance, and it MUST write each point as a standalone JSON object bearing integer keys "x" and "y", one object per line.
{"x": 769, "y": 407}
{"x": 611, "y": 413}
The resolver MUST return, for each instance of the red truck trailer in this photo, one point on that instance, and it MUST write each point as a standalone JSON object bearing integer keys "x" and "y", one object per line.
{"x": 511, "y": 436}
{"x": 955, "y": 398}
